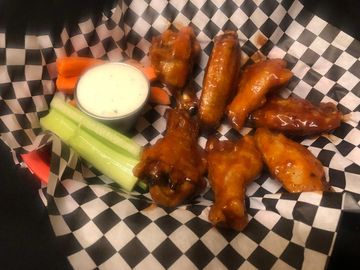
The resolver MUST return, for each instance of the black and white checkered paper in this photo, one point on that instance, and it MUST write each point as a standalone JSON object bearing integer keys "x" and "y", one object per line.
{"x": 99, "y": 226}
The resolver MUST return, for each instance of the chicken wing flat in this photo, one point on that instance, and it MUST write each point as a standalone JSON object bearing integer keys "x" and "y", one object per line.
{"x": 175, "y": 165}
{"x": 220, "y": 79}
{"x": 256, "y": 81}
{"x": 231, "y": 166}
{"x": 172, "y": 54}
{"x": 295, "y": 116}
{"x": 290, "y": 162}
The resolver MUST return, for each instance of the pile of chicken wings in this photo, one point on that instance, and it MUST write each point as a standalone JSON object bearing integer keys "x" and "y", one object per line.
{"x": 176, "y": 167}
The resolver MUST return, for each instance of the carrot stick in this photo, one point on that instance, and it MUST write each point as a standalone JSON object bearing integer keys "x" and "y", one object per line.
{"x": 159, "y": 96}
{"x": 149, "y": 71}
{"x": 75, "y": 66}
{"x": 66, "y": 84}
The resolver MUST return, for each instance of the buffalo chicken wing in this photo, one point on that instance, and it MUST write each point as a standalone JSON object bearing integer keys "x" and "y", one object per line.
{"x": 295, "y": 116}
{"x": 290, "y": 162}
{"x": 231, "y": 166}
{"x": 256, "y": 81}
{"x": 175, "y": 165}
{"x": 173, "y": 54}
{"x": 220, "y": 79}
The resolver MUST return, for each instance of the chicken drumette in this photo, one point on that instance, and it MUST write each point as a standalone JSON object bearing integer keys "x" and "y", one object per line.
{"x": 231, "y": 166}
{"x": 290, "y": 162}
{"x": 256, "y": 81}
{"x": 173, "y": 55}
{"x": 175, "y": 165}
{"x": 295, "y": 116}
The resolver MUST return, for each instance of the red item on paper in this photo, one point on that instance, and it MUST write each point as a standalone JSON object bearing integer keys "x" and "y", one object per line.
{"x": 38, "y": 163}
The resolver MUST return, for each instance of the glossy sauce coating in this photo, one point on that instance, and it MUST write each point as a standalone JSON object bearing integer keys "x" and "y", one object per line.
{"x": 290, "y": 162}
{"x": 175, "y": 165}
{"x": 231, "y": 166}
{"x": 172, "y": 54}
{"x": 295, "y": 116}
{"x": 186, "y": 99}
{"x": 256, "y": 81}
{"x": 220, "y": 79}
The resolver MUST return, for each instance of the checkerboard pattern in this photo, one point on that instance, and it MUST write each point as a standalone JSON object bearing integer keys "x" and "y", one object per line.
{"x": 99, "y": 226}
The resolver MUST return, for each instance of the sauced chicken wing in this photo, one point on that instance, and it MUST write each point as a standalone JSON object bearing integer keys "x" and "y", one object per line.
{"x": 220, "y": 78}
{"x": 231, "y": 166}
{"x": 175, "y": 165}
{"x": 256, "y": 81}
{"x": 290, "y": 162}
{"x": 186, "y": 99}
{"x": 172, "y": 54}
{"x": 295, "y": 116}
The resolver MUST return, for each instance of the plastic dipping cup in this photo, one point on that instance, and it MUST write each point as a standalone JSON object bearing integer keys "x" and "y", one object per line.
{"x": 113, "y": 93}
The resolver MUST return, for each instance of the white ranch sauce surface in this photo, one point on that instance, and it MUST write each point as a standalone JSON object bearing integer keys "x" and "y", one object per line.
{"x": 112, "y": 90}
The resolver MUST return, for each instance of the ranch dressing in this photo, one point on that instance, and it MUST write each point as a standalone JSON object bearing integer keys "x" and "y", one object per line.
{"x": 112, "y": 90}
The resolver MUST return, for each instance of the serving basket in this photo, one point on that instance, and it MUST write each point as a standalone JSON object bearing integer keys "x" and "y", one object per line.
{"x": 99, "y": 226}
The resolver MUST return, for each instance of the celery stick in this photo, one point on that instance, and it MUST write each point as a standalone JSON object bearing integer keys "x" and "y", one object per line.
{"x": 143, "y": 185}
{"x": 59, "y": 125}
{"x": 105, "y": 133}
{"x": 111, "y": 163}
{"x": 107, "y": 160}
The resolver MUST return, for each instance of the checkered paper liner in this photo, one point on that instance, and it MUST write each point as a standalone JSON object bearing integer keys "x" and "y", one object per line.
{"x": 99, "y": 226}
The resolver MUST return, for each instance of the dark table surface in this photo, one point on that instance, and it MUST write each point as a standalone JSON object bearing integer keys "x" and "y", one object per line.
{"x": 26, "y": 237}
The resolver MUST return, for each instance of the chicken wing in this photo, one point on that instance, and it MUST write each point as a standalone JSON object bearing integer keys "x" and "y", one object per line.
{"x": 256, "y": 81}
{"x": 220, "y": 78}
{"x": 231, "y": 166}
{"x": 172, "y": 54}
{"x": 290, "y": 162}
{"x": 175, "y": 165}
{"x": 295, "y": 116}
